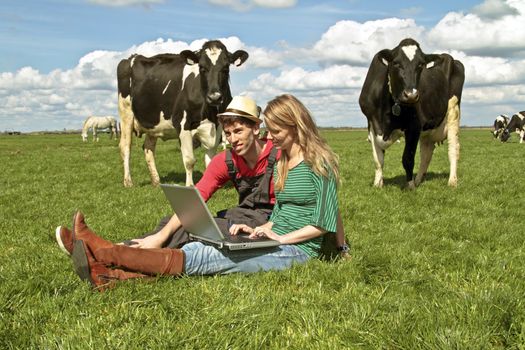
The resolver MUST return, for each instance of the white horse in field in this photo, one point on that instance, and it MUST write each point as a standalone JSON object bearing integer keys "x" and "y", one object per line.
{"x": 99, "y": 123}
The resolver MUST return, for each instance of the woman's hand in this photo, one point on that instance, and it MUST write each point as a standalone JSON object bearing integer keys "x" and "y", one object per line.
{"x": 235, "y": 229}
{"x": 261, "y": 231}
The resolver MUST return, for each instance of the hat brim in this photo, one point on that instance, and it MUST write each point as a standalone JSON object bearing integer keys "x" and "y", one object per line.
{"x": 232, "y": 114}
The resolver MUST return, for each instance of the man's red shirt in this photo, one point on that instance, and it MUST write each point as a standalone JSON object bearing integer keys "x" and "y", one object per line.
{"x": 216, "y": 174}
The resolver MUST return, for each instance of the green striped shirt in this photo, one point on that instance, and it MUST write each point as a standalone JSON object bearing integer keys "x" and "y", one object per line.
{"x": 307, "y": 199}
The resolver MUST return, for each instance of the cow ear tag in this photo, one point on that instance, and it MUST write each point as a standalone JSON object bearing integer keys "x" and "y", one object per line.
{"x": 237, "y": 62}
{"x": 396, "y": 109}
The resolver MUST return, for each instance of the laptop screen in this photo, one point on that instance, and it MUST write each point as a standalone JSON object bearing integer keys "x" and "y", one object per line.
{"x": 192, "y": 211}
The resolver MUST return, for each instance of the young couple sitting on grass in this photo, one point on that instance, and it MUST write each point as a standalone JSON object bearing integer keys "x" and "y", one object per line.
{"x": 294, "y": 204}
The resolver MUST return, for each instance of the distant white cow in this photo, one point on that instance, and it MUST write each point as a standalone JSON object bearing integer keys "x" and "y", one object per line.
{"x": 99, "y": 123}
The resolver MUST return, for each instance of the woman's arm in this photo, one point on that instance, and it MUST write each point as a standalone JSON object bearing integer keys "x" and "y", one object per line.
{"x": 303, "y": 234}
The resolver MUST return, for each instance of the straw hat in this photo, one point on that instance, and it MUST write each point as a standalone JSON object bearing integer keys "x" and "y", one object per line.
{"x": 243, "y": 106}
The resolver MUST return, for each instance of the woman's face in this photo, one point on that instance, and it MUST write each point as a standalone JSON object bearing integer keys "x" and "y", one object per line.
{"x": 282, "y": 137}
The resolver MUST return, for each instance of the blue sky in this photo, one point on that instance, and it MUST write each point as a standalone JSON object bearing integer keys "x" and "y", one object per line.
{"x": 59, "y": 56}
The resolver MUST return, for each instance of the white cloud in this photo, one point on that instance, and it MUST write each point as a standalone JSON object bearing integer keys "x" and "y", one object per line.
{"x": 491, "y": 70}
{"x": 331, "y": 93}
{"x": 261, "y": 58}
{"x": 356, "y": 43}
{"x": 60, "y": 99}
{"x": 494, "y": 9}
{"x": 298, "y": 79}
{"x": 469, "y": 32}
{"x": 481, "y": 105}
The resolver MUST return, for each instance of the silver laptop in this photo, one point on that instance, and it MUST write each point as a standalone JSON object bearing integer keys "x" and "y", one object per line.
{"x": 197, "y": 220}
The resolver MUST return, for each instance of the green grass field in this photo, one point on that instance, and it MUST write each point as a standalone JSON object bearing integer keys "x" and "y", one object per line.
{"x": 434, "y": 268}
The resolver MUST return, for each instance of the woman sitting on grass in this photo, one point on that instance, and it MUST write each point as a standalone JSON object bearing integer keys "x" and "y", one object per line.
{"x": 306, "y": 208}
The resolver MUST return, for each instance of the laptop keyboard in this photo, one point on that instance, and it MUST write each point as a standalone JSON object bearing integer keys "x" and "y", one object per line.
{"x": 244, "y": 238}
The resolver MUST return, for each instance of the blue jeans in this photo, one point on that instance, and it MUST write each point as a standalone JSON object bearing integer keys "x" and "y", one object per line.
{"x": 204, "y": 259}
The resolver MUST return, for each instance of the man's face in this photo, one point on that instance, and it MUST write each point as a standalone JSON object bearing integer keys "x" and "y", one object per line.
{"x": 241, "y": 137}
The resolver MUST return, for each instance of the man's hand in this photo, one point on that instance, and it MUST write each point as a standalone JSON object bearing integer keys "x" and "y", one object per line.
{"x": 153, "y": 241}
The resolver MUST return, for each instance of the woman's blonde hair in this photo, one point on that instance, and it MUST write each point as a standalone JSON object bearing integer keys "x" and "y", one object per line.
{"x": 286, "y": 111}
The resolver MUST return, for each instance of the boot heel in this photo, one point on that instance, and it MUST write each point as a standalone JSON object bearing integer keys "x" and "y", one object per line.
{"x": 80, "y": 261}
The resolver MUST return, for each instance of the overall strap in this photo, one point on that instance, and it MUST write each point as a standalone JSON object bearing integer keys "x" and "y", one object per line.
{"x": 232, "y": 170}
{"x": 264, "y": 185}
{"x": 271, "y": 160}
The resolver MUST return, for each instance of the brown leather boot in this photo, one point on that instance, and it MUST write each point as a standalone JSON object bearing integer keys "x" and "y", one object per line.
{"x": 162, "y": 261}
{"x": 98, "y": 274}
{"x": 81, "y": 231}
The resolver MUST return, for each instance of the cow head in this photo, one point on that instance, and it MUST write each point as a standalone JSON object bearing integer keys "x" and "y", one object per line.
{"x": 512, "y": 125}
{"x": 214, "y": 69}
{"x": 505, "y": 135}
{"x": 405, "y": 64}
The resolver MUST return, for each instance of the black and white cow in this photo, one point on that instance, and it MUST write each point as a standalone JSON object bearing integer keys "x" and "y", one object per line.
{"x": 500, "y": 124}
{"x": 174, "y": 96}
{"x": 516, "y": 123}
{"x": 407, "y": 92}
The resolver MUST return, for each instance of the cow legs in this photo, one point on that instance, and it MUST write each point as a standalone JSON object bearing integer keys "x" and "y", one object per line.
{"x": 426, "y": 151}
{"x": 522, "y": 135}
{"x": 379, "y": 159}
{"x": 126, "y": 130}
{"x": 453, "y": 115}
{"x": 221, "y": 137}
{"x": 149, "y": 153}
{"x": 207, "y": 133}
{"x": 409, "y": 154}
{"x": 188, "y": 158}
